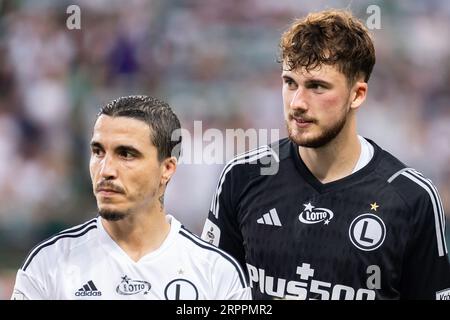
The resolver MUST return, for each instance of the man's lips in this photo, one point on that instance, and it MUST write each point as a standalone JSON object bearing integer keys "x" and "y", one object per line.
{"x": 107, "y": 192}
{"x": 301, "y": 121}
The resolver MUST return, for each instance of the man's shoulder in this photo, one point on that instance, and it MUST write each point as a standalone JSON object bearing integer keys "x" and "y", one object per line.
{"x": 259, "y": 161}
{"x": 196, "y": 246}
{"x": 413, "y": 186}
{"x": 387, "y": 164}
{"x": 408, "y": 182}
{"x": 204, "y": 252}
{"x": 212, "y": 262}
{"x": 47, "y": 251}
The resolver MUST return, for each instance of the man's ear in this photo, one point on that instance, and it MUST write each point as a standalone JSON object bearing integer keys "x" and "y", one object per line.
{"x": 359, "y": 94}
{"x": 169, "y": 166}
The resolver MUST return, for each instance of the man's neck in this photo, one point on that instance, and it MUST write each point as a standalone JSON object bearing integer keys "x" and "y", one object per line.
{"x": 334, "y": 161}
{"x": 139, "y": 233}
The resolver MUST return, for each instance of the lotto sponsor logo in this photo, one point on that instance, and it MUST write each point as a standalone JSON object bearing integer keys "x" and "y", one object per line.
{"x": 129, "y": 286}
{"x": 312, "y": 215}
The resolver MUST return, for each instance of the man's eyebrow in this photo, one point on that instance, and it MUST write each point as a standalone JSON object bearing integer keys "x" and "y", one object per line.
{"x": 318, "y": 81}
{"x": 285, "y": 76}
{"x": 96, "y": 144}
{"x": 128, "y": 148}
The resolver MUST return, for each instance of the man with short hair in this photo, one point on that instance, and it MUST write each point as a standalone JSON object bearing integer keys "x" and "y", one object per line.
{"x": 132, "y": 250}
{"x": 341, "y": 218}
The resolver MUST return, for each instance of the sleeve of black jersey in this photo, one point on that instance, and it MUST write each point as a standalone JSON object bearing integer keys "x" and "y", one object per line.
{"x": 426, "y": 272}
{"x": 222, "y": 227}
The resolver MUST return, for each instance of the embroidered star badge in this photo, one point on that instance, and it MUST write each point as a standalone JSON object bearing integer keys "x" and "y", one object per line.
{"x": 308, "y": 206}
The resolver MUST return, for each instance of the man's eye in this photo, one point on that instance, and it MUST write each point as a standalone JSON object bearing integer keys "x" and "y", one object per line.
{"x": 317, "y": 87}
{"x": 96, "y": 151}
{"x": 290, "y": 83}
{"x": 126, "y": 154}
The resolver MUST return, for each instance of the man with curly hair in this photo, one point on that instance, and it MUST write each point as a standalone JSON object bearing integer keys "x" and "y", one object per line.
{"x": 341, "y": 218}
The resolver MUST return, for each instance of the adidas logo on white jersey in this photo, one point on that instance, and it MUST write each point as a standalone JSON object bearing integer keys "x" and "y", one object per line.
{"x": 270, "y": 218}
{"x": 88, "y": 290}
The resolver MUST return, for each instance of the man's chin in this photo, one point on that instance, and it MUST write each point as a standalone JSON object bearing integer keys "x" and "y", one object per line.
{"x": 112, "y": 215}
{"x": 309, "y": 142}
{"x": 314, "y": 141}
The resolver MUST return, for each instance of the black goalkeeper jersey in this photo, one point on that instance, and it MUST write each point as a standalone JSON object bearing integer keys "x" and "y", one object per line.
{"x": 375, "y": 234}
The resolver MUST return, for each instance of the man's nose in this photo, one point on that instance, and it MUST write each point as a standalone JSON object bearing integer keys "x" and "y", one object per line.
{"x": 108, "y": 168}
{"x": 298, "y": 100}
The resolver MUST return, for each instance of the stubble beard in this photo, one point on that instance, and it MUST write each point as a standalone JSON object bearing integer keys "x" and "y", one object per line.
{"x": 325, "y": 137}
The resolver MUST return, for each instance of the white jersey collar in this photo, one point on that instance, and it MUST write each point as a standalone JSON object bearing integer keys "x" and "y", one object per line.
{"x": 366, "y": 154}
{"x": 116, "y": 251}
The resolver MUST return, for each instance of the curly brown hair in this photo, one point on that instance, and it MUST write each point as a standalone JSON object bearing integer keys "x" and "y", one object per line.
{"x": 332, "y": 37}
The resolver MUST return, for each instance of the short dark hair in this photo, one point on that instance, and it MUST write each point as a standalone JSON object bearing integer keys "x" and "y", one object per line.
{"x": 157, "y": 114}
{"x": 332, "y": 37}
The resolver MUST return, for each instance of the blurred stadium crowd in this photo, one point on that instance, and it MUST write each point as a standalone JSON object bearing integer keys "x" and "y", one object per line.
{"x": 213, "y": 61}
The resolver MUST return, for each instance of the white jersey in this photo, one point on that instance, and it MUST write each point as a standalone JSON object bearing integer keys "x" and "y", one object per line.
{"x": 85, "y": 263}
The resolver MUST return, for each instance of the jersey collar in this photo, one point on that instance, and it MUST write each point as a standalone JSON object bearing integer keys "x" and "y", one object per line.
{"x": 117, "y": 252}
{"x": 338, "y": 184}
